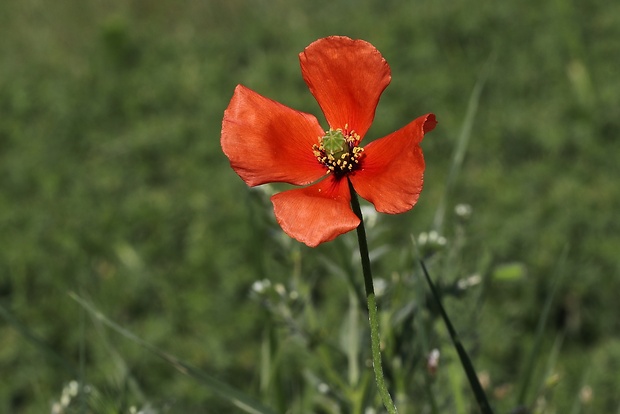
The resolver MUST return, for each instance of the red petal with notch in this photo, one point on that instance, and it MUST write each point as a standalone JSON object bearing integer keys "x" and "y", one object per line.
{"x": 266, "y": 141}
{"x": 392, "y": 173}
{"x": 318, "y": 213}
{"x": 346, "y": 78}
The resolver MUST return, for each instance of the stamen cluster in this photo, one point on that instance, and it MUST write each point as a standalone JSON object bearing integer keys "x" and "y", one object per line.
{"x": 343, "y": 158}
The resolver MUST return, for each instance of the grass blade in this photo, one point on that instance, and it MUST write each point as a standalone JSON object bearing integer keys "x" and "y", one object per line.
{"x": 540, "y": 330}
{"x": 38, "y": 342}
{"x": 462, "y": 143}
{"x": 479, "y": 393}
{"x": 236, "y": 397}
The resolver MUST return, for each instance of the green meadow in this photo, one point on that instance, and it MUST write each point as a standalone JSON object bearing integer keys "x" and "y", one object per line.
{"x": 118, "y": 210}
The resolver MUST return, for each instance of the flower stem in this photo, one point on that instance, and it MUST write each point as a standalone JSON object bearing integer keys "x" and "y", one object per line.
{"x": 371, "y": 300}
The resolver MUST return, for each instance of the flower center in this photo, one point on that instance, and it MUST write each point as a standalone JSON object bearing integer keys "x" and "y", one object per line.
{"x": 338, "y": 151}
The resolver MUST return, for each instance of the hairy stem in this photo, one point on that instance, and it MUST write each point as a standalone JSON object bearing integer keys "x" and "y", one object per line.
{"x": 371, "y": 300}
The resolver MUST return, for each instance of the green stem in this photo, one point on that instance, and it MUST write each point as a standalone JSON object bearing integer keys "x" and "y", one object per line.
{"x": 371, "y": 300}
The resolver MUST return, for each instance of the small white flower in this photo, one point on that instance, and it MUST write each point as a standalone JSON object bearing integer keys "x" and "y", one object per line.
{"x": 422, "y": 238}
{"x": 280, "y": 289}
{"x": 463, "y": 210}
{"x": 470, "y": 281}
{"x": 323, "y": 388}
{"x": 432, "y": 238}
{"x": 260, "y": 286}
{"x": 73, "y": 388}
{"x": 432, "y": 362}
{"x": 65, "y": 400}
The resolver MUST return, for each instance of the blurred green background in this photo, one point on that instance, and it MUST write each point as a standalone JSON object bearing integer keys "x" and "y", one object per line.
{"x": 113, "y": 184}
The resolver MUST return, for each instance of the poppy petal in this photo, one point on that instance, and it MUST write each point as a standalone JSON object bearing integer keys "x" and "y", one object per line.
{"x": 392, "y": 172}
{"x": 346, "y": 78}
{"x": 266, "y": 141}
{"x": 318, "y": 213}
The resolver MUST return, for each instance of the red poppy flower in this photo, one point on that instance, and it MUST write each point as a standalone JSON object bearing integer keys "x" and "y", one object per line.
{"x": 266, "y": 141}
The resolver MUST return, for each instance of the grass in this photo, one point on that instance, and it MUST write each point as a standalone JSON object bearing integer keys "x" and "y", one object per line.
{"x": 112, "y": 184}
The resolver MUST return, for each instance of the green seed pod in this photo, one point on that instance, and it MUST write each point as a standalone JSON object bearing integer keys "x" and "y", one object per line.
{"x": 334, "y": 143}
